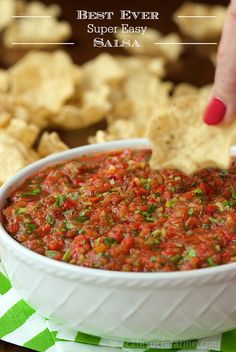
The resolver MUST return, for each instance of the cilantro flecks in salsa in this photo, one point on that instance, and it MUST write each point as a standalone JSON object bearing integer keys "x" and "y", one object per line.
{"x": 111, "y": 211}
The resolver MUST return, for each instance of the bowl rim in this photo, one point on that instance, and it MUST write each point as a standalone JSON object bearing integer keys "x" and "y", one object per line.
{"x": 46, "y": 262}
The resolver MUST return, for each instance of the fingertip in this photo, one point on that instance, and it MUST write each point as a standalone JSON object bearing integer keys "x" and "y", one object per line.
{"x": 215, "y": 112}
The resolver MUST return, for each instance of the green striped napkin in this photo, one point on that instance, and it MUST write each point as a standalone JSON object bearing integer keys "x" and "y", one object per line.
{"x": 23, "y": 326}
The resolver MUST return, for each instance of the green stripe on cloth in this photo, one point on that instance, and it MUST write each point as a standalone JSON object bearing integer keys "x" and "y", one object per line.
{"x": 185, "y": 345}
{"x": 5, "y": 284}
{"x": 160, "y": 350}
{"x": 41, "y": 342}
{"x": 86, "y": 338}
{"x": 228, "y": 341}
{"x": 15, "y": 317}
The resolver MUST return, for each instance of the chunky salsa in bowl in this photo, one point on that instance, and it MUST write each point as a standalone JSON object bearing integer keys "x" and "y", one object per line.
{"x": 111, "y": 211}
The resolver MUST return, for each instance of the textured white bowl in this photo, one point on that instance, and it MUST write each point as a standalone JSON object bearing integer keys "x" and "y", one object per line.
{"x": 119, "y": 305}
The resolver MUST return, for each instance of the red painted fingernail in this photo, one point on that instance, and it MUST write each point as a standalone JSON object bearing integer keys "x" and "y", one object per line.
{"x": 215, "y": 112}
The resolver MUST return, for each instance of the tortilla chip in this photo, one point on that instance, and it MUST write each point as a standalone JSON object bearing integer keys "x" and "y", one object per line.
{"x": 50, "y": 143}
{"x": 136, "y": 64}
{"x": 29, "y": 31}
{"x": 91, "y": 108}
{"x": 143, "y": 94}
{"x": 14, "y": 155}
{"x": 10, "y": 108}
{"x": 183, "y": 89}
{"x": 4, "y": 81}
{"x": 102, "y": 70}
{"x": 23, "y": 131}
{"x": 122, "y": 98}
{"x": 7, "y": 109}
{"x": 20, "y": 7}
{"x": 7, "y": 10}
{"x": 198, "y": 28}
{"x": 4, "y": 119}
{"x": 24, "y": 30}
{"x": 135, "y": 100}
{"x": 133, "y": 123}
{"x": 187, "y": 89}
{"x": 148, "y": 47}
{"x": 181, "y": 140}
{"x": 38, "y": 8}
{"x": 119, "y": 129}
{"x": 44, "y": 81}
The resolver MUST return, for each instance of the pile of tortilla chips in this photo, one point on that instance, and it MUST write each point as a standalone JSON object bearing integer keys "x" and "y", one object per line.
{"x": 25, "y": 30}
{"x": 46, "y": 90}
{"x": 200, "y": 29}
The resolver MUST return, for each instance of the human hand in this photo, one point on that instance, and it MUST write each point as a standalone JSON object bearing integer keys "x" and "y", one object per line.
{"x": 222, "y": 107}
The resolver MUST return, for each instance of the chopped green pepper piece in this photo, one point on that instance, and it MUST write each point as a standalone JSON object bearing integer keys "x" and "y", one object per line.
{"x": 50, "y": 219}
{"x": 233, "y": 193}
{"x": 21, "y": 211}
{"x": 205, "y": 226}
{"x": 30, "y": 227}
{"x": 68, "y": 225}
{"x": 34, "y": 192}
{"x": 153, "y": 259}
{"x": 229, "y": 204}
{"x": 109, "y": 240}
{"x": 51, "y": 254}
{"x": 192, "y": 253}
{"x": 155, "y": 232}
{"x": 150, "y": 219}
{"x": 82, "y": 216}
{"x": 198, "y": 192}
{"x": 213, "y": 220}
{"x": 147, "y": 186}
{"x": 223, "y": 173}
{"x": 146, "y": 215}
{"x": 67, "y": 256}
{"x": 151, "y": 208}
{"x": 176, "y": 258}
{"x": 146, "y": 182}
{"x": 190, "y": 211}
{"x": 211, "y": 262}
{"x": 59, "y": 200}
{"x": 171, "y": 203}
{"x": 74, "y": 195}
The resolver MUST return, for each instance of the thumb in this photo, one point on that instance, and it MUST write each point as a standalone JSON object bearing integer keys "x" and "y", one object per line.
{"x": 222, "y": 107}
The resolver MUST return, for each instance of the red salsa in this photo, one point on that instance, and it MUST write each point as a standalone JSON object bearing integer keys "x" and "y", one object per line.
{"x": 111, "y": 211}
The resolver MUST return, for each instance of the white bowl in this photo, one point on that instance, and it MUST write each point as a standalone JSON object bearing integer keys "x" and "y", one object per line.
{"x": 119, "y": 305}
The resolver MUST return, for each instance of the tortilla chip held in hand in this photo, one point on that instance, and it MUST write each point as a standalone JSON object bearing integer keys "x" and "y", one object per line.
{"x": 181, "y": 140}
